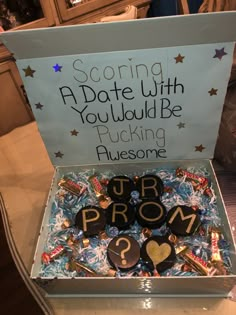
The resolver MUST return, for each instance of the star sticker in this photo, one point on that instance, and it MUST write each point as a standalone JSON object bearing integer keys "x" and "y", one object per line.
{"x": 213, "y": 92}
{"x": 74, "y": 132}
{"x": 58, "y": 154}
{"x": 220, "y": 53}
{"x": 199, "y": 148}
{"x": 181, "y": 125}
{"x": 57, "y": 68}
{"x": 179, "y": 58}
{"x": 29, "y": 72}
{"x": 39, "y": 106}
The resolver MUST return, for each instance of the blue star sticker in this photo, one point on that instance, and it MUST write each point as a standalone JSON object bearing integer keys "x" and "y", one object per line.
{"x": 220, "y": 53}
{"x": 57, "y": 68}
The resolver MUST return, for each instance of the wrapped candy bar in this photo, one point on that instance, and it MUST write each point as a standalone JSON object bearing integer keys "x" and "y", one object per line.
{"x": 197, "y": 263}
{"x": 215, "y": 251}
{"x": 103, "y": 199}
{"x": 55, "y": 253}
{"x": 72, "y": 187}
{"x": 96, "y": 185}
{"x": 198, "y": 182}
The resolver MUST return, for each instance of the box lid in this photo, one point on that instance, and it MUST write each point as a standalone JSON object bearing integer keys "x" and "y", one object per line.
{"x": 128, "y": 91}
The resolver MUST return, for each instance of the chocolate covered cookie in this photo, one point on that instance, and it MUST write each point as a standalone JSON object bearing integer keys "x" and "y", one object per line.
{"x": 151, "y": 213}
{"x": 120, "y": 187}
{"x": 150, "y": 186}
{"x": 123, "y": 252}
{"x": 182, "y": 220}
{"x": 120, "y": 214}
{"x": 91, "y": 220}
{"x": 157, "y": 252}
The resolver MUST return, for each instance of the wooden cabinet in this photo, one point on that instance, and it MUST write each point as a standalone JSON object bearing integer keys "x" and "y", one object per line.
{"x": 14, "y": 110}
{"x": 60, "y": 12}
{"x": 83, "y": 8}
{"x": 90, "y": 11}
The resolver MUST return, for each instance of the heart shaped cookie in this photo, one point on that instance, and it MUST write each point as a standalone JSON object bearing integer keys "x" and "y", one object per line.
{"x": 157, "y": 252}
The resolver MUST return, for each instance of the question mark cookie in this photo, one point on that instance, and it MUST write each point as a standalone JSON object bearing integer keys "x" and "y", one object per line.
{"x": 123, "y": 252}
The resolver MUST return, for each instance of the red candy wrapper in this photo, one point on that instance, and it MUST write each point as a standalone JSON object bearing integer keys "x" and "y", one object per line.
{"x": 97, "y": 186}
{"x": 198, "y": 182}
{"x": 195, "y": 208}
{"x": 215, "y": 251}
{"x": 216, "y": 258}
{"x": 197, "y": 263}
{"x": 104, "y": 201}
{"x": 55, "y": 253}
{"x": 208, "y": 192}
{"x": 72, "y": 187}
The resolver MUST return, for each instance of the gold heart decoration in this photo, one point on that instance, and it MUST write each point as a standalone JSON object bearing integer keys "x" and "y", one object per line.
{"x": 158, "y": 253}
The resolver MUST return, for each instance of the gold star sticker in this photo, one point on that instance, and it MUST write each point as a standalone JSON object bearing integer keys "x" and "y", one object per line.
{"x": 29, "y": 72}
{"x": 199, "y": 148}
{"x": 213, "y": 92}
{"x": 181, "y": 125}
{"x": 74, "y": 132}
{"x": 58, "y": 154}
{"x": 179, "y": 58}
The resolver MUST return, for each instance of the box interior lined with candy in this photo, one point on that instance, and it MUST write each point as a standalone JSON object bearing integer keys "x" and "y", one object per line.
{"x": 158, "y": 223}
{"x": 136, "y": 221}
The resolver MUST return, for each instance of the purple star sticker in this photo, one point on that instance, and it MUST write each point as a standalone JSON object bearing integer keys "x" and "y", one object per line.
{"x": 57, "y": 68}
{"x": 220, "y": 53}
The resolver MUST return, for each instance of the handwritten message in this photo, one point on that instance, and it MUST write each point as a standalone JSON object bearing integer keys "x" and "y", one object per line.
{"x": 156, "y": 105}
{"x": 153, "y": 104}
